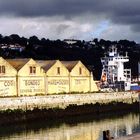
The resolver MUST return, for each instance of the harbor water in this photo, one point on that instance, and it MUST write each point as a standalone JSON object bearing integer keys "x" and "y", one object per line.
{"x": 87, "y": 127}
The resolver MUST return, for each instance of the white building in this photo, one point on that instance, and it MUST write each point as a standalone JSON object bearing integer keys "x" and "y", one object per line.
{"x": 71, "y": 41}
{"x": 113, "y": 71}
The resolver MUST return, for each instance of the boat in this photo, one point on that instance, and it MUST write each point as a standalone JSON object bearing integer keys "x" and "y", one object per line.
{"x": 114, "y": 75}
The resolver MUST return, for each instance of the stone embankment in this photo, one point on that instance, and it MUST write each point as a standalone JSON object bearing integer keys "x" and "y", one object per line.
{"x": 62, "y": 101}
{"x": 130, "y": 137}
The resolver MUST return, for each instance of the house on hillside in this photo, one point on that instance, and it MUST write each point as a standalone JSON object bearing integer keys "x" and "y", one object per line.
{"x": 7, "y": 79}
{"x": 31, "y": 77}
{"x": 17, "y": 47}
{"x": 71, "y": 41}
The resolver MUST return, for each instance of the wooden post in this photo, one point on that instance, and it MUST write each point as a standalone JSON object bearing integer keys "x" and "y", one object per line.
{"x": 106, "y": 135}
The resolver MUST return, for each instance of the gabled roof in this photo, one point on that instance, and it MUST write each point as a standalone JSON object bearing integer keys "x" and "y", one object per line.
{"x": 69, "y": 64}
{"x": 17, "y": 63}
{"x": 7, "y": 62}
{"x": 47, "y": 64}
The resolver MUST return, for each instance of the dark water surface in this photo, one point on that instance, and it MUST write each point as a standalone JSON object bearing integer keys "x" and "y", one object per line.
{"x": 88, "y": 127}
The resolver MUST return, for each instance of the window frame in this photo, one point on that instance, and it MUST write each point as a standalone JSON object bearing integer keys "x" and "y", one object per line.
{"x": 2, "y": 69}
{"x": 80, "y": 71}
{"x": 58, "y": 70}
{"x": 32, "y": 69}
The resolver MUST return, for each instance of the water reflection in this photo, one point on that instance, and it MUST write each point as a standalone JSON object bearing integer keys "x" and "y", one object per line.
{"x": 76, "y": 128}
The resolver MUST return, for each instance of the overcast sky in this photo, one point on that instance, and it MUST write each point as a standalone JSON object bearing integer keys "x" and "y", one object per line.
{"x": 74, "y": 19}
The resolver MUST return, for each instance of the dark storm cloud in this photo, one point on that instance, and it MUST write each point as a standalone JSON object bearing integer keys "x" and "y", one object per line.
{"x": 69, "y": 7}
{"x": 120, "y": 12}
{"x": 46, "y": 7}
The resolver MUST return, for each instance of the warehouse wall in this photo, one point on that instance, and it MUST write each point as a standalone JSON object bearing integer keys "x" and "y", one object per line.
{"x": 7, "y": 79}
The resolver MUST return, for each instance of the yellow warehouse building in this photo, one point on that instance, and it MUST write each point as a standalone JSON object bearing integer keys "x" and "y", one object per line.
{"x": 81, "y": 80}
{"x": 31, "y": 77}
{"x": 8, "y": 77}
{"x": 28, "y": 77}
{"x": 57, "y": 76}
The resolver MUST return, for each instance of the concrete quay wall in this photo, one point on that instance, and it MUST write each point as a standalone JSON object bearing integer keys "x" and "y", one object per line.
{"x": 130, "y": 137}
{"x": 64, "y": 100}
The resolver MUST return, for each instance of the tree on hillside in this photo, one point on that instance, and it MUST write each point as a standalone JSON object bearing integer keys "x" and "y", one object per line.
{"x": 15, "y": 39}
{"x": 34, "y": 40}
